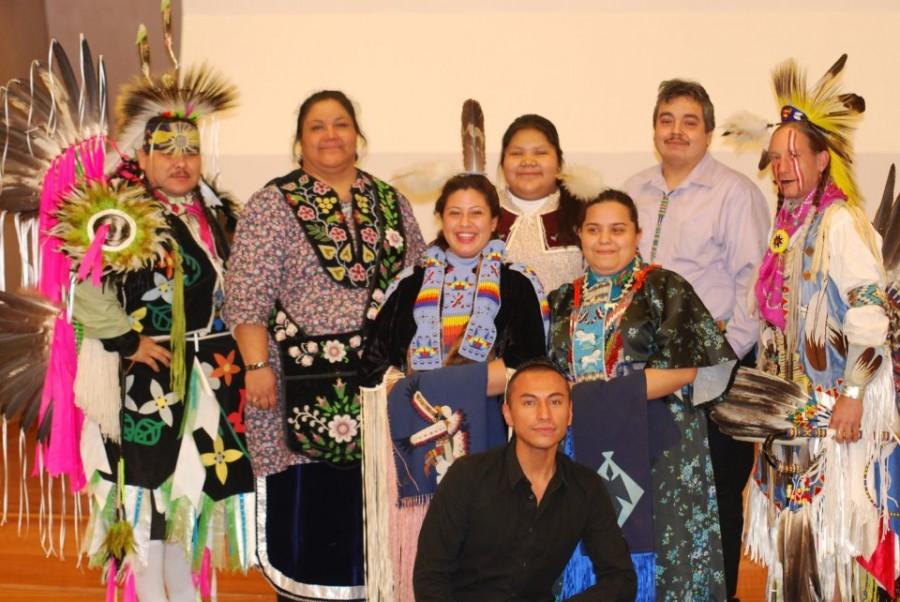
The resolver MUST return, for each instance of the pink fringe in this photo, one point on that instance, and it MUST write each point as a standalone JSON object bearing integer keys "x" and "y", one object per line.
{"x": 406, "y": 522}
{"x": 62, "y": 454}
{"x": 92, "y": 263}
{"x": 130, "y": 594}
{"x": 205, "y": 575}
{"x": 111, "y": 581}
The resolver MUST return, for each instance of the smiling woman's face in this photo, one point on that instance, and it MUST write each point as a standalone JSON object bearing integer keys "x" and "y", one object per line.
{"x": 530, "y": 165}
{"x": 609, "y": 237}
{"x": 328, "y": 138}
{"x": 467, "y": 223}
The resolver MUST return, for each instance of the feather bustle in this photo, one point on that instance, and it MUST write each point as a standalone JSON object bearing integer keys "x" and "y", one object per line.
{"x": 26, "y": 320}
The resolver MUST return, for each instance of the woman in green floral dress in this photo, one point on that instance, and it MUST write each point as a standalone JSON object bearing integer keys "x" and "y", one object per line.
{"x": 621, "y": 316}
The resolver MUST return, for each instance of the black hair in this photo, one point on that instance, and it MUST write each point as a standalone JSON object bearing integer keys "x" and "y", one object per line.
{"x": 534, "y": 365}
{"x": 671, "y": 89}
{"x": 568, "y": 204}
{"x": 611, "y": 195}
{"x": 317, "y": 97}
{"x": 466, "y": 181}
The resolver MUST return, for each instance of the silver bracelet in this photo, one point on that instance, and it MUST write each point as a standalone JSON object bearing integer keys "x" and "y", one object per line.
{"x": 852, "y": 391}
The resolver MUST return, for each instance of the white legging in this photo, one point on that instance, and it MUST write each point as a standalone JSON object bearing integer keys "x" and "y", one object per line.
{"x": 167, "y": 577}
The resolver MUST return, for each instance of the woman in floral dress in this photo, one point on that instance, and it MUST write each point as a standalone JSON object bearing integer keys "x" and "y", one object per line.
{"x": 313, "y": 253}
{"x": 622, "y": 316}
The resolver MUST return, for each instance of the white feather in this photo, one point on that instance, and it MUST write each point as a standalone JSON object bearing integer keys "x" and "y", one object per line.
{"x": 746, "y": 131}
{"x": 424, "y": 179}
{"x": 582, "y": 181}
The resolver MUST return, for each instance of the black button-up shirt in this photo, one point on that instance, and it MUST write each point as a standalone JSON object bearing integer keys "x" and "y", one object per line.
{"x": 485, "y": 537}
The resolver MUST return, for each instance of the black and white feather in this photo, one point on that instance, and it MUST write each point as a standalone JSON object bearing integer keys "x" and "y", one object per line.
{"x": 42, "y": 117}
{"x": 758, "y": 404}
{"x": 26, "y": 329}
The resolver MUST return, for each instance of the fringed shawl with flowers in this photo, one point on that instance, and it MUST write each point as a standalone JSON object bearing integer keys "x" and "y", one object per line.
{"x": 649, "y": 317}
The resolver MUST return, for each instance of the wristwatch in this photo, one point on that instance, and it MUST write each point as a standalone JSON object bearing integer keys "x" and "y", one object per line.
{"x": 257, "y": 365}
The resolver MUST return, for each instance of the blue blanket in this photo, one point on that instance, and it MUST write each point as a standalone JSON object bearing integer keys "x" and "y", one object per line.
{"x": 619, "y": 433}
{"x": 436, "y": 417}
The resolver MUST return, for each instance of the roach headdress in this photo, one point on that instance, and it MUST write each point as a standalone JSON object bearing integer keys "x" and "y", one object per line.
{"x": 831, "y": 112}
{"x": 163, "y": 112}
{"x": 825, "y": 107}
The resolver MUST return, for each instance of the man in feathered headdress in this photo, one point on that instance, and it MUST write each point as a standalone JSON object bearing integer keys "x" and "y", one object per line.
{"x": 708, "y": 223}
{"x": 125, "y": 365}
{"x": 821, "y": 294}
{"x": 181, "y": 472}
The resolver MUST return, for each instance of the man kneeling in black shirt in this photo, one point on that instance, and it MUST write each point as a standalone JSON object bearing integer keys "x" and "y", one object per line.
{"x": 503, "y": 524}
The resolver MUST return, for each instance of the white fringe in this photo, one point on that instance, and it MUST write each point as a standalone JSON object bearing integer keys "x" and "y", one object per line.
{"x": 97, "y": 390}
{"x": 2, "y": 238}
{"x": 376, "y": 498}
{"x": 24, "y": 501}
{"x": 846, "y": 521}
{"x": 5, "y": 462}
{"x": 62, "y": 517}
{"x": 758, "y": 533}
{"x": 76, "y": 499}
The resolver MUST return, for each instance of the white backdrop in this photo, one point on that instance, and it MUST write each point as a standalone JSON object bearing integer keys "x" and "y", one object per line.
{"x": 591, "y": 66}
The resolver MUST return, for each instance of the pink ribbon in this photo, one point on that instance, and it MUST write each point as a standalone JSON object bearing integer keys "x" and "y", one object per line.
{"x": 92, "y": 262}
{"x": 205, "y": 576}
{"x": 111, "y": 581}
{"x": 130, "y": 593}
{"x": 195, "y": 208}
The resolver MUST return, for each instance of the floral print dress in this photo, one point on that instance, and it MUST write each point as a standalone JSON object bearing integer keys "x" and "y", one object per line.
{"x": 313, "y": 270}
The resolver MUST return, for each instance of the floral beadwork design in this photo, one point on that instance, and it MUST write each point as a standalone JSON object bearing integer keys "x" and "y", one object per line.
{"x": 305, "y": 352}
{"x": 321, "y": 216}
{"x": 329, "y": 430}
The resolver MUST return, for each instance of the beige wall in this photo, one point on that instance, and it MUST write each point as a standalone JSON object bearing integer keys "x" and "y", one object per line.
{"x": 592, "y": 66}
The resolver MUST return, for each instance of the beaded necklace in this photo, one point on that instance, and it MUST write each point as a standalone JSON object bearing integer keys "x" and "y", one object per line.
{"x": 598, "y": 305}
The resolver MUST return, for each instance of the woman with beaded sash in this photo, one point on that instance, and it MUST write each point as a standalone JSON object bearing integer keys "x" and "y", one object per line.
{"x": 624, "y": 320}
{"x": 453, "y": 325}
{"x": 314, "y": 252}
